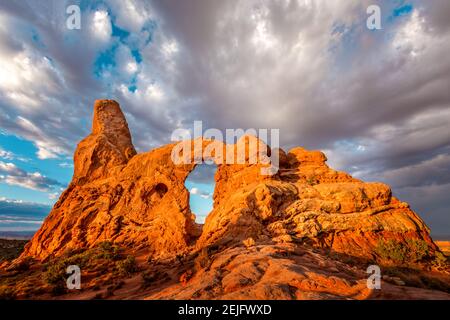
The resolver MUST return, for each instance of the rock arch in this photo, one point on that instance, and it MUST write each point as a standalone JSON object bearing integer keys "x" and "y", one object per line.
{"x": 110, "y": 198}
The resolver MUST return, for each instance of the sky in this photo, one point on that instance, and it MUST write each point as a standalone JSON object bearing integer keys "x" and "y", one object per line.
{"x": 377, "y": 102}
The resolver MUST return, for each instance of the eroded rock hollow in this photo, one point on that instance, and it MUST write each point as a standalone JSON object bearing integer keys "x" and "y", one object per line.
{"x": 140, "y": 201}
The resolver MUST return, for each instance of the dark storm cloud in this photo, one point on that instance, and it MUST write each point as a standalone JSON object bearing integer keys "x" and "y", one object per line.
{"x": 429, "y": 202}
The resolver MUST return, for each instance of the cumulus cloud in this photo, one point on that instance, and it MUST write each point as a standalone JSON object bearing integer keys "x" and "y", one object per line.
{"x": 8, "y": 155}
{"x": 53, "y": 196}
{"x": 6, "y": 200}
{"x": 101, "y": 25}
{"x": 131, "y": 15}
{"x": 65, "y": 165}
{"x": 13, "y": 175}
{"x": 200, "y": 193}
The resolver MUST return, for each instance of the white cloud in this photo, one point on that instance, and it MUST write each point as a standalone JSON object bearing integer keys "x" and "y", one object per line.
{"x": 154, "y": 92}
{"x": 7, "y": 200}
{"x": 13, "y": 175}
{"x": 10, "y": 168}
{"x": 48, "y": 147}
{"x": 101, "y": 25}
{"x": 8, "y": 155}
{"x": 131, "y": 15}
{"x": 65, "y": 165}
{"x": 203, "y": 194}
{"x": 53, "y": 196}
{"x": 412, "y": 36}
{"x": 127, "y": 64}
{"x": 169, "y": 48}
{"x": 23, "y": 75}
{"x": 132, "y": 67}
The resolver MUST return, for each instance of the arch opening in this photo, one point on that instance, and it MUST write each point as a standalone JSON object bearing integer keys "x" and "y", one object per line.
{"x": 200, "y": 183}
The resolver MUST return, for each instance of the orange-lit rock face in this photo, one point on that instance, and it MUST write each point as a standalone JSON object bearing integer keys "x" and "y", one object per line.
{"x": 140, "y": 201}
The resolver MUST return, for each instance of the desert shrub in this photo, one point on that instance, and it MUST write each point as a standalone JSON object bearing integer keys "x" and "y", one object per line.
{"x": 127, "y": 266}
{"x": 55, "y": 276}
{"x": 55, "y": 272}
{"x": 414, "y": 250}
{"x": 440, "y": 260}
{"x": 392, "y": 250}
{"x": 104, "y": 258}
{"x": 203, "y": 260}
{"x": 311, "y": 180}
{"x": 148, "y": 277}
{"x": 7, "y": 293}
{"x": 58, "y": 289}
{"x": 418, "y": 249}
{"x": 105, "y": 245}
{"x": 107, "y": 250}
{"x": 151, "y": 276}
{"x": 56, "y": 269}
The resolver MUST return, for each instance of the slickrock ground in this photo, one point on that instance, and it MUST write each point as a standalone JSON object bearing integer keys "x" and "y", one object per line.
{"x": 266, "y": 271}
{"x": 286, "y": 236}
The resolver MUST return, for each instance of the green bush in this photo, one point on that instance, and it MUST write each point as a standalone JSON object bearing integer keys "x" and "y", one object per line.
{"x": 106, "y": 257}
{"x": 107, "y": 250}
{"x": 127, "y": 267}
{"x": 149, "y": 277}
{"x": 7, "y": 293}
{"x": 418, "y": 249}
{"x": 440, "y": 260}
{"x": 55, "y": 273}
{"x": 392, "y": 250}
{"x": 414, "y": 250}
{"x": 311, "y": 180}
{"x": 203, "y": 260}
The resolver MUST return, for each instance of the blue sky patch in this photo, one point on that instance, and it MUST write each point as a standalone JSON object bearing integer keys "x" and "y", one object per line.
{"x": 403, "y": 10}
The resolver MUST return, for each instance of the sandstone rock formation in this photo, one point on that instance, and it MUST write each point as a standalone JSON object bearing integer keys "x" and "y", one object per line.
{"x": 140, "y": 201}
